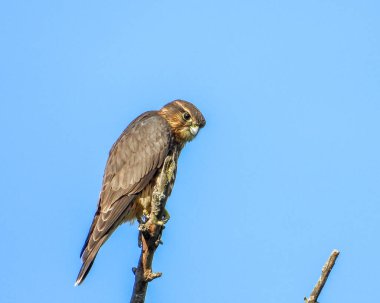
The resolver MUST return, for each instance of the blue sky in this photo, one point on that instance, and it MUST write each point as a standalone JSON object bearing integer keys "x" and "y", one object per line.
{"x": 286, "y": 169}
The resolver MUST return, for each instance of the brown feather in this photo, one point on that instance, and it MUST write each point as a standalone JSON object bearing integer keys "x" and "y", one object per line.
{"x": 134, "y": 161}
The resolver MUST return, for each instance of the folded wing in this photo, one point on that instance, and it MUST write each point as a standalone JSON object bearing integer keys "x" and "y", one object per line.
{"x": 132, "y": 163}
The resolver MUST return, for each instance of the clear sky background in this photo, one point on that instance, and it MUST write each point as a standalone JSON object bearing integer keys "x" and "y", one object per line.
{"x": 286, "y": 169}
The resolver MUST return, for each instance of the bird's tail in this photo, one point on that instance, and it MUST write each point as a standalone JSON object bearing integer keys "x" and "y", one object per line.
{"x": 101, "y": 229}
{"x": 88, "y": 261}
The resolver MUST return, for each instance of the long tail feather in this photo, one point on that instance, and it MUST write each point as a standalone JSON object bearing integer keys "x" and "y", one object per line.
{"x": 87, "y": 264}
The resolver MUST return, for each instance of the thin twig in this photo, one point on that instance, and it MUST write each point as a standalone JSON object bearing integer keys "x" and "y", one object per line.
{"x": 151, "y": 231}
{"x": 323, "y": 278}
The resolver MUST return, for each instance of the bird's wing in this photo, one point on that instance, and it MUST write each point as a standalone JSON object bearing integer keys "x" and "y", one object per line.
{"x": 135, "y": 157}
{"x": 133, "y": 161}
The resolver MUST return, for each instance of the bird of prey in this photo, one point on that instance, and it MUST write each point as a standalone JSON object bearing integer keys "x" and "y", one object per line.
{"x": 135, "y": 160}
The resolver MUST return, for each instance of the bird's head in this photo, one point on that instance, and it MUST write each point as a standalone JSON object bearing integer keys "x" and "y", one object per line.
{"x": 184, "y": 119}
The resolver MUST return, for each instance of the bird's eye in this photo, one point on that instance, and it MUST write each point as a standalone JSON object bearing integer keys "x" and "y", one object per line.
{"x": 186, "y": 116}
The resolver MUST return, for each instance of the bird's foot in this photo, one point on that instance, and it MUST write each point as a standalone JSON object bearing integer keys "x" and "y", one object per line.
{"x": 165, "y": 218}
{"x": 145, "y": 217}
{"x": 143, "y": 220}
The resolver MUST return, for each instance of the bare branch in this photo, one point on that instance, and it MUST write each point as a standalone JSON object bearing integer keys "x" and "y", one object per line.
{"x": 151, "y": 231}
{"x": 323, "y": 278}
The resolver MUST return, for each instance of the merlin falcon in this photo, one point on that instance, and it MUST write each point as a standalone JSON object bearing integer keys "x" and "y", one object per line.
{"x": 134, "y": 162}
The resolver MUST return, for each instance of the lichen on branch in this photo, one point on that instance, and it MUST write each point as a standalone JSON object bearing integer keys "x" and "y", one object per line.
{"x": 151, "y": 231}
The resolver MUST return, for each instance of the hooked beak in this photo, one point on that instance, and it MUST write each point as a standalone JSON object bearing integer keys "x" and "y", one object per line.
{"x": 194, "y": 130}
